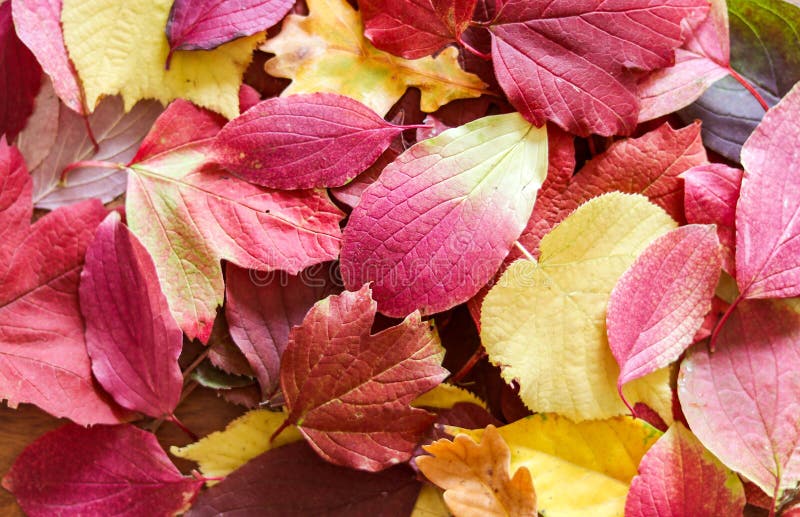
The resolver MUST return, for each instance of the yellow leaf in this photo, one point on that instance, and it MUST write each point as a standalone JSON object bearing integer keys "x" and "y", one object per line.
{"x": 121, "y": 47}
{"x": 445, "y": 396}
{"x": 222, "y": 452}
{"x": 430, "y": 503}
{"x": 327, "y": 52}
{"x": 476, "y": 476}
{"x": 544, "y": 323}
{"x": 578, "y": 469}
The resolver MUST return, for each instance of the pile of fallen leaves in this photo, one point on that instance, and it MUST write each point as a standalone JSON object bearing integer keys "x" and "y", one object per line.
{"x": 479, "y": 257}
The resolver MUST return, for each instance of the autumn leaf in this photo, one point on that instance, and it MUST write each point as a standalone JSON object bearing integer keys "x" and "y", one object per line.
{"x": 543, "y": 323}
{"x": 123, "y": 52}
{"x": 327, "y": 52}
{"x": 348, "y": 390}
{"x": 476, "y": 477}
{"x": 678, "y": 477}
{"x": 438, "y": 222}
{"x": 190, "y": 215}
{"x": 102, "y": 470}
{"x": 22, "y": 77}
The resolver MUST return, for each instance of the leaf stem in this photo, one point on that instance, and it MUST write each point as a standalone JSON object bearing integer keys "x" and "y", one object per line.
{"x": 279, "y": 430}
{"x": 199, "y": 359}
{"x": 528, "y": 254}
{"x": 88, "y": 163}
{"x": 749, "y": 87}
{"x": 89, "y": 132}
{"x": 172, "y": 418}
{"x": 476, "y": 356}
{"x": 473, "y": 50}
{"x": 715, "y": 333}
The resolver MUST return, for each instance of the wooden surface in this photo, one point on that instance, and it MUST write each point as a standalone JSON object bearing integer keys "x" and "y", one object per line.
{"x": 202, "y": 412}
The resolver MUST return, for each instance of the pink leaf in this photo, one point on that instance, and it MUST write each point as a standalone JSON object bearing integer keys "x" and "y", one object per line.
{"x": 679, "y": 477}
{"x": 103, "y": 470}
{"x": 22, "y": 77}
{"x": 711, "y": 193}
{"x": 742, "y": 400}
{"x": 415, "y": 28}
{"x": 768, "y": 212}
{"x": 38, "y": 24}
{"x": 350, "y": 193}
{"x": 648, "y": 328}
{"x": 131, "y": 337}
{"x": 207, "y": 24}
{"x": 573, "y": 61}
{"x": 262, "y": 308}
{"x": 349, "y": 391}
{"x": 303, "y": 141}
{"x": 43, "y": 357}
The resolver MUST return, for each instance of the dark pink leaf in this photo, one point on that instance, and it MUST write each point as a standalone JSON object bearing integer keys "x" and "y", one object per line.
{"x": 710, "y": 195}
{"x": 573, "y": 61}
{"x": 349, "y": 391}
{"x": 207, "y": 24}
{"x": 768, "y": 212}
{"x": 131, "y": 337}
{"x": 679, "y": 477}
{"x": 415, "y": 28}
{"x": 43, "y": 357}
{"x": 21, "y": 77}
{"x": 650, "y": 328}
{"x": 104, "y": 470}
{"x": 262, "y": 308}
{"x": 38, "y": 24}
{"x": 303, "y": 141}
{"x": 292, "y": 481}
{"x": 742, "y": 400}
{"x": 350, "y": 194}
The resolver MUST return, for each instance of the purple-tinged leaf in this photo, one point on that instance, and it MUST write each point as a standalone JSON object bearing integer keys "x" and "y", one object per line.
{"x": 131, "y": 337}
{"x": 103, "y": 470}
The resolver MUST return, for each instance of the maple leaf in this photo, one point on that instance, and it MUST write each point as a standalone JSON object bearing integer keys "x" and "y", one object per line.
{"x": 293, "y": 480}
{"x": 22, "y": 77}
{"x": 476, "y": 477}
{"x": 222, "y": 452}
{"x": 102, "y": 470}
{"x": 678, "y": 476}
{"x": 124, "y": 52}
{"x": 349, "y": 391}
{"x": 741, "y": 401}
{"x": 543, "y": 323}
{"x": 416, "y": 28}
{"x": 56, "y": 137}
{"x": 326, "y": 52}
{"x": 304, "y": 141}
{"x": 43, "y": 357}
{"x": 132, "y": 339}
{"x": 650, "y": 328}
{"x": 438, "y": 222}
{"x": 573, "y": 62}
{"x": 577, "y": 468}
{"x": 190, "y": 215}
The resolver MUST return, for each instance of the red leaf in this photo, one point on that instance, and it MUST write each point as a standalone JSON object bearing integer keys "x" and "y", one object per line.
{"x": 22, "y": 77}
{"x": 262, "y": 308}
{"x": 131, "y": 337}
{"x": 38, "y": 24}
{"x": 573, "y": 61}
{"x": 650, "y": 328}
{"x": 207, "y": 24}
{"x": 43, "y": 357}
{"x": 711, "y": 193}
{"x": 303, "y": 141}
{"x": 767, "y": 222}
{"x": 292, "y": 480}
{"x": 741, "y": 400}
{"x": 104, "y": 470}
{"x": 415, "y": 28}
{"x": 349, "y": 391}
{"x": 679, "y": 477}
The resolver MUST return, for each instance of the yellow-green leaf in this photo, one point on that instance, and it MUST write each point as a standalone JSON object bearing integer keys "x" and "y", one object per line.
{"x": 544, "y": 323}
{"x": 121, "y": 47}
{"x": 326, "y": 51}
{"x": 445, "y": 396}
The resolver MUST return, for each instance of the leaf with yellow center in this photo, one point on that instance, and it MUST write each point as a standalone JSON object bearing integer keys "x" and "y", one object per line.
{"x": 578, "y": 469}
{"x": 544, "y": 323}
{"x": 222, "y": 452}
{"x": 121, "y": 47}
{"x": 326, "y": 51}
